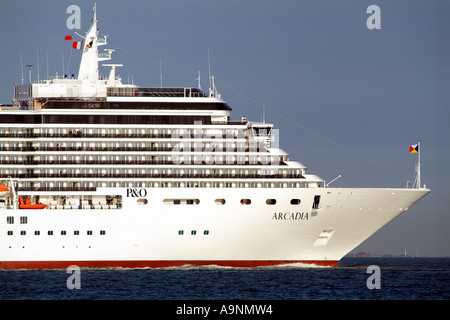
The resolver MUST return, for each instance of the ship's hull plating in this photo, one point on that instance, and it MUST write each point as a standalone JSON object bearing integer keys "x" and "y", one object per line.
{"x": 223, "y": 232}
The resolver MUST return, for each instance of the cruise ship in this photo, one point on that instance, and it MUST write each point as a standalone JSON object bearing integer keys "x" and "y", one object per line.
{"x": 97, "y": 173}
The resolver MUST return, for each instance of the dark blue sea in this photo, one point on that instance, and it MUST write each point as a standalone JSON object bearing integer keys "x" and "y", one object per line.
{"x": 396, "y": 278}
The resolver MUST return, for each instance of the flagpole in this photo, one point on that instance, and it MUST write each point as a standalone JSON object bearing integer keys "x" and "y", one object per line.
{"x": 418, "y": 166}
{"x": 416, "y": 148}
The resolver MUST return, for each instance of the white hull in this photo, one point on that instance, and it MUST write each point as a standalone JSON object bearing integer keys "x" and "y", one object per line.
{"x": 237, "y": 235}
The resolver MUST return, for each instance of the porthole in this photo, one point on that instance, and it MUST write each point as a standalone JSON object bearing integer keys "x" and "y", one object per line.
{"x": 219, "y": 201}
{"x": 142, "y": 201}
{"x": 246, "y": 201}
{"x": 271, "y": 201}
{"x": 295, "y": 201}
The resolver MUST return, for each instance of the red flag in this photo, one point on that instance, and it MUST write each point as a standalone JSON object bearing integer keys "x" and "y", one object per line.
{"x": 68, "y": 38}
{"x": 76, "y": 45}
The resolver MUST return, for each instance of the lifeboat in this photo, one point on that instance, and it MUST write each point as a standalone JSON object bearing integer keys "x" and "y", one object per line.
{"x": 3, "y": 190}
{"x": 27, "y": 204}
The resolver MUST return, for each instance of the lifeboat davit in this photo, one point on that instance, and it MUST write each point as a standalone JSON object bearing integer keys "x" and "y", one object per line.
{"x": 30, "y": 205}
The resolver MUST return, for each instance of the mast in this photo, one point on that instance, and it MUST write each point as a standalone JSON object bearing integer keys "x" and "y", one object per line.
{"x": 89, "y": 66}
{"x": 21, "y": 65}
{"x": 417, "y": 181}
{"x": 90, "y": 57}
{"x": 160, "y": 71}
{"x": 198, "y": 81}
{"x": 417, "y": 149}
{"x": 418, "y": 166}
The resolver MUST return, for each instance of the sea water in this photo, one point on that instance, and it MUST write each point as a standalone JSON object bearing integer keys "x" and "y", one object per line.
{"x": 397, "y": 279}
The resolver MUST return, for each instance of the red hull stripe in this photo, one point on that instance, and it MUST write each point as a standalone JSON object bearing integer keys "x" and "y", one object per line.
{"x": 156, "y": 264}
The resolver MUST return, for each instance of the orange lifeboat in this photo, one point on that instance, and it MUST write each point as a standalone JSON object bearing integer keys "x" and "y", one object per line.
{"x": 3, "y": 190}
{"x": 27, "y": 204}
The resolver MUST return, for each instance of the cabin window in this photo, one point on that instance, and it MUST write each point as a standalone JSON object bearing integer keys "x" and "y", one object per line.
{"x": 194, "y": 232}
{"x": 63, "y": 232}
{"x": 89, "y": 232}
{"x": 50, "y": 232}
{"x": 10, "y": 233}
{"x": 23, "y": 220}
{"x": 23, "y": 233}
{"x": 10, "y": 220}
{"x": 37, "y": 233}
{"x": 76, "y": 232}
{"x": 219, "y": 201}
{"x": 142, "y": 201}
{"x": 246, "y": 201}
{"x": 295, "y": 201}
{"x": 206, "y": 232}
{"x": 271, "y": 201}
{"x": 180, "y": 232}
{"x": 102, "y": 232}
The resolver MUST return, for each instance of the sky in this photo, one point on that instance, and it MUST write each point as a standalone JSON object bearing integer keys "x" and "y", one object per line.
{"x": 348, "y": 100}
